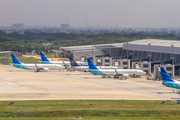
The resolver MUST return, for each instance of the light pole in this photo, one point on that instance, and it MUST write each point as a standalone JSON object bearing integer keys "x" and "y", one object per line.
{"x": 172, "y": 59}
{"x": 110, "y": 50}
{"x": 149, "y": 44}
{"x": 92, "y": 50}
{"x": 127, "y": 54}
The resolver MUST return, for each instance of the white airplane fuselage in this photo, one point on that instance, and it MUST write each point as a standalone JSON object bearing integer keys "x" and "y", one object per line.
{"x": 112, "y": 72}
{"x": 123, "y": 71}
{"x": 86, "y": 68}
{"x": 63, "y": 62}
{"x": 39, "y": 66}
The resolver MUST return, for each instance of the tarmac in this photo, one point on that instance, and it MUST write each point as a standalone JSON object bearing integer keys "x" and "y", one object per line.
{"x": 20, "y": 84}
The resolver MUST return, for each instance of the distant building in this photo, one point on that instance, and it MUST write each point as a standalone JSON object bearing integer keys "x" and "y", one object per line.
{"x": 64, "y": 26}
{"x": 8, "y": 53}
{"x": 18, "y": 26}
{"x": 141, "y": 53}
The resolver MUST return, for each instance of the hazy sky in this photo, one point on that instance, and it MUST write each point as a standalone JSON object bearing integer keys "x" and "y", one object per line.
{"x": 102, "y": 13}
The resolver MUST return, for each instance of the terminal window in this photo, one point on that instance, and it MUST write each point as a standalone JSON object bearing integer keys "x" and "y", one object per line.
{"x": 145, "y": 65}
{"x": 169, "y": 68}
{"x": 98, "y": 64}
{"x": 124, "y": 63}
{"x": 106, "y": 60}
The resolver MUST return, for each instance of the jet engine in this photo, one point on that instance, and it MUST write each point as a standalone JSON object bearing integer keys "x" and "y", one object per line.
{"x": 45, "y": 69}
{"x": 125, "y": 75}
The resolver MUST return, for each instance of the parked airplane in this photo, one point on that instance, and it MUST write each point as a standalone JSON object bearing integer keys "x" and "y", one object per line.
{"x": 37, "y": 67}
{"x": 75, "y": 66}
{"x": 168, "y": 81}
{"x": 114, "y": 72}
{"x": 65, "y": 63}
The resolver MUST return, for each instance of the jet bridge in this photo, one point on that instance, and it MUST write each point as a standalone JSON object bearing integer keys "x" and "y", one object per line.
{"x": 157, "y": 72}
{"x": 145, "y": 66}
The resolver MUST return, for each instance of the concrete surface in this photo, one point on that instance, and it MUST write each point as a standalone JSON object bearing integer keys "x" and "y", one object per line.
{"x": 19, "y": 84}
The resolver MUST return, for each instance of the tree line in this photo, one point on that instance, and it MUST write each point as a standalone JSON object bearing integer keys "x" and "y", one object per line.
{"x": 35, "y": 41}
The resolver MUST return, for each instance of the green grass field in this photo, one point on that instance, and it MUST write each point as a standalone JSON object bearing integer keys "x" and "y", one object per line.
{"x": 90, "y": 109}
{"x": 6, "y": 60}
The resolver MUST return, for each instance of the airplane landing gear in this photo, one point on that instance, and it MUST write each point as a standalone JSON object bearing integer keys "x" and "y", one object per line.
{"x": 116, "y": 76}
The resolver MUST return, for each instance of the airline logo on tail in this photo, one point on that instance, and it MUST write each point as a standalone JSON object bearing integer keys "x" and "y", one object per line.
{"x": 17, "y": 63}
{"x": 44, "y": 59}
{"x": 15, "y": 60}
{"x": 91, "y": 64}
{"x": 165, "y": 76}
{"x": 93, "y": 69}
{"x": 73, "y": 62}
{"x": 168, "y": 81}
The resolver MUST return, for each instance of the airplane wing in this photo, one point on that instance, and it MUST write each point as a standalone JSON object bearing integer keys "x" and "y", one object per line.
{"x": 121, "y": 74}
{"x": 38, "y": 68}
{"x": 65, "y": 65}
{"x": 117, "y": 73}
{"x": 41, "y": 68}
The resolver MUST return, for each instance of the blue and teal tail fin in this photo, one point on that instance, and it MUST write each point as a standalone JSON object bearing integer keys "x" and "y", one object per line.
{"x": 43, "y": 57}
{"x": 15, "y": 60}
{"x": 165, "y": 76}
{"x": 73, "y": 62}
{"x": 91, "y": 64}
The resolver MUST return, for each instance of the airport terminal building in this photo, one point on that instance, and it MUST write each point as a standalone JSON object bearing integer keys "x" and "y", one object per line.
{"x": 146, "y": 53}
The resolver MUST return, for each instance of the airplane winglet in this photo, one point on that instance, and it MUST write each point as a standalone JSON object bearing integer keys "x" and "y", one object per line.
{"x": 65, "y": 65}
{"x": 116, "y": 71}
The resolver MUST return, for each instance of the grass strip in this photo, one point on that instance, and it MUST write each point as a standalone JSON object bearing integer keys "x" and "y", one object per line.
{"x": 89, "y": 108}
{"x": 93, "y": 113}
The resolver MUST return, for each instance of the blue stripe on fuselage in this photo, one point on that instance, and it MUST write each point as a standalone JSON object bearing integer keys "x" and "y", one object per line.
{"x": 20, "y": 66}
{"x": 96, "y": 72}
{"x": 171, "y": 84}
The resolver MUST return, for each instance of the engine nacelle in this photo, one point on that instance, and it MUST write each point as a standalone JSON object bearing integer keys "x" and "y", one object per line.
{"x": 125, "y": 75}
{"x": 45, "y": 69}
